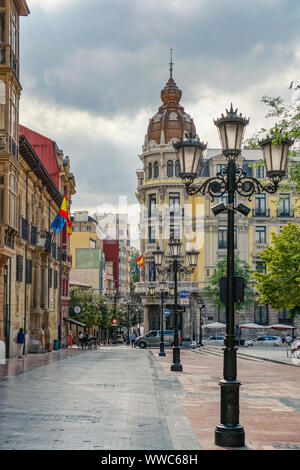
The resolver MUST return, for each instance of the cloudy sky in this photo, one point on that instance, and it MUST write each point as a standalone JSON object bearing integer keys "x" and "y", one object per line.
{"x": 92, "y": 72}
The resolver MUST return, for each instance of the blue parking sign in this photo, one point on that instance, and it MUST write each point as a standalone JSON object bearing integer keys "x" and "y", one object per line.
{"x": 184, "y": 297}
{"x": 167, "y": 312}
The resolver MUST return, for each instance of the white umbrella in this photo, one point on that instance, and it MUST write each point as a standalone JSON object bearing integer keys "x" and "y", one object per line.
{"x": 216, "y": 325}
{"x": 253, "y": 326}
{"x": 280, "y": 326}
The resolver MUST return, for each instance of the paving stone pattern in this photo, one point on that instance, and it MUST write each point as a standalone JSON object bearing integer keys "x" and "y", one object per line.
{"x": 111, "y": 399}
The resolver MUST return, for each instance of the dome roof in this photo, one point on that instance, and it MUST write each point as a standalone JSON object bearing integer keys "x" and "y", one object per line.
{"x": 171, "y": 117}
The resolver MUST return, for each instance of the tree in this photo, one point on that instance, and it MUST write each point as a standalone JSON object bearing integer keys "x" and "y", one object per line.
{"x": 94, "y": 308}
{"x": 241, "y": 268}
{"x": 280, "y": 285}
{"x": 135, "y": 275}
{"x": 286, "y": 125}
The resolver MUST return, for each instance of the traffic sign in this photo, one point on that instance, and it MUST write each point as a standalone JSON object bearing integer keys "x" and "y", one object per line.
{"x": 167, "y": 312}
{"x": 184, "y": 297}
{"x": 114, "y": 321}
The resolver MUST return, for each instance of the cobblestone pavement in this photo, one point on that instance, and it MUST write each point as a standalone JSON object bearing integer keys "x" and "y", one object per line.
{"x": 269, "y": 399}
{"x": 111, "y": 399}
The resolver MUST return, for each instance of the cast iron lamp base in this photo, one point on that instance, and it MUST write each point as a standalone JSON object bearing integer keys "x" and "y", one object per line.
{"x": 162, "y": 353}
{"x": 233, "y": 434}
{"x": 230, "y": 436}
{"x": 176, "y": 367}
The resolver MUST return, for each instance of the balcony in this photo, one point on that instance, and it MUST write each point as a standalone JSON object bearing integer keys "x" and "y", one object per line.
{"x": 283, "y": 213}
{"x": 23, "y": 233}
{"x": 142, "y": 288}
{"x": 260, "y": 213}
{"x": 33, "y": 235}
{"x": 53, "y": 250}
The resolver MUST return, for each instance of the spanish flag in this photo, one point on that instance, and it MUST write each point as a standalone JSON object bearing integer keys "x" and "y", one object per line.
{"x": 139, "y": 261}
{"x": 69, "y": 227}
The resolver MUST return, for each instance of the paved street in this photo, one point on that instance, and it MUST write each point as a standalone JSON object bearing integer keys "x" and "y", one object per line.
{"x": 112, "y": 398}
{"x": 124, "y": 398}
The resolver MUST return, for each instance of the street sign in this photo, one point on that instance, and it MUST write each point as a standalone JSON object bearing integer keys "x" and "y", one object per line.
{"x": 114, "y": 321}
{"x": 184, "y": 297}
{"x": 167, "y": 312}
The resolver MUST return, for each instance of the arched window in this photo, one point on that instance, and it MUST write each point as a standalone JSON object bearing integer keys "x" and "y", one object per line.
{"x": 170, "y": 168}
{"x": 155, "y": 169}
{"x": 177, "y": 168}
{"x": 150, "y": 170}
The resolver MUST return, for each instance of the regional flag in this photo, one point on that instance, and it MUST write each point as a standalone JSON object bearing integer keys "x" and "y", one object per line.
{"x": 61, "y": 218}
{"x": 139, "y": 261}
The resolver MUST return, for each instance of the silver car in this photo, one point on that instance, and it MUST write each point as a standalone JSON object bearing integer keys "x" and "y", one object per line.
{"x": 152, "y": 339}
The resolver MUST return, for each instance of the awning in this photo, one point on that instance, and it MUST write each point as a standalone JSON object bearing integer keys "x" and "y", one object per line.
{"x": 280, "y": 326}
{"x": 215, "y": 325}
{"x": 254, "y": 326}
{"x": 71, "y": 320}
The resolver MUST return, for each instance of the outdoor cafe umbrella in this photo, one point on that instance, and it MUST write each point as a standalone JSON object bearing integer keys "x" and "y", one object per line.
{"x": 252, "y": 326}
{"x": 280, "y": 326}
{"x": 216, "y": 325}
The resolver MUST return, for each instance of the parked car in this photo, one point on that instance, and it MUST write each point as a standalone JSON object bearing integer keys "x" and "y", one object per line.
{"x": 188, "y": 343}
{"x": 264, "y": 341}
{"x": 152, "y": 339}
{"x": 213, "y": 340}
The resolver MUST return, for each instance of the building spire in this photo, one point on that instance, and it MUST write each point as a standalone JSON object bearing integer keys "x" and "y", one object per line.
{"x": 171, "y": 63}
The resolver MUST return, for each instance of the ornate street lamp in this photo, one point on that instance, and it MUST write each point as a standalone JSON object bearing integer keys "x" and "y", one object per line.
{"x": 151, "y": 290}
{"x": 174, "y": 267}
{"x": 192, "y": 256}
{"x": 232, "y": 179}
{"x": 190, "y": 156}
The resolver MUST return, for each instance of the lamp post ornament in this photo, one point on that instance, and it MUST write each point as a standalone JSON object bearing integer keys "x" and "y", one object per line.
{"x": 231, "y": 179}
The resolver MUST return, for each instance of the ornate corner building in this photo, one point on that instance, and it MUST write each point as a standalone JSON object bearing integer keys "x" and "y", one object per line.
{"x": 166, "y": 210}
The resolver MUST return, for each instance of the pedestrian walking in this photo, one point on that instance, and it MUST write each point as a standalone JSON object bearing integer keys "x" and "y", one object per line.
{"x": 288, "y": 340}
{"x": 70, "y": 338}
{"x": 132, "y": 339}
{"x": 20, "y": 340}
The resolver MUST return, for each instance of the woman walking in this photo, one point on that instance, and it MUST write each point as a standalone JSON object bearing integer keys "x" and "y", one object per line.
{"x": 20, "y": 340}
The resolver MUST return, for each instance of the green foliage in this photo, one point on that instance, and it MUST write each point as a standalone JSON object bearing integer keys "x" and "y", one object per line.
{"x": 280, "y": 286}
{"x": 95, "y": 309}
{"x": 286, "y": 125}
{"x": 241, "y": 268}
{"x": 129, "y": 313}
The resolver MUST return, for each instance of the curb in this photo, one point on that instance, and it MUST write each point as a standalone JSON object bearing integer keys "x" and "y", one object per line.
{"x": 246, "y": 356}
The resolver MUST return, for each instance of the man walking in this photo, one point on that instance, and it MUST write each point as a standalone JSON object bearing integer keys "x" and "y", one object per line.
{"x": 132, "y": 339}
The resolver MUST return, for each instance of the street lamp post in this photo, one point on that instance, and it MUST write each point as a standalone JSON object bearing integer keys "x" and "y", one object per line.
{"x": 175, "y": 267}
{"x": 230, "y": 179}
{"x": 114, "y": 339}
{"x": 128, "y": 313}
{"x": 163, "y": 297}
{"x": 202, "y": 307}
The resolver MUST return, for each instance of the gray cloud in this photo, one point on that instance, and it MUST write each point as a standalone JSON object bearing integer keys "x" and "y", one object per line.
{"x": 110, "y": 58}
